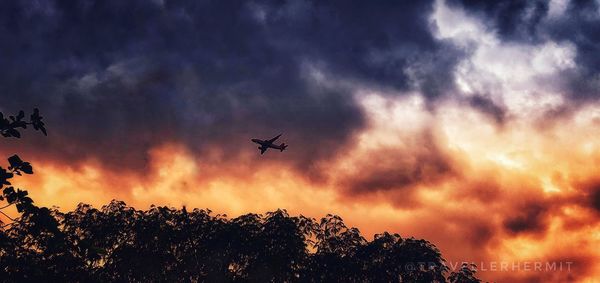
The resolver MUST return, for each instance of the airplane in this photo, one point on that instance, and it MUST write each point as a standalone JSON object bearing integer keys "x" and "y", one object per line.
{"x": 266, "y": 144}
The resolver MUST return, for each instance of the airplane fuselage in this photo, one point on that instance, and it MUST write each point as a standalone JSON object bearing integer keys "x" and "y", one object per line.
{"x": 266, "y": 144}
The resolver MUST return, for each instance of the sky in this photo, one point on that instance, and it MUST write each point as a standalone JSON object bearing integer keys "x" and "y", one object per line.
{"x": 472, "y": 124}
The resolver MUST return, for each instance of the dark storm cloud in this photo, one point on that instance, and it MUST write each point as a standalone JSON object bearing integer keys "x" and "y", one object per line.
{"x": 530, "y": 217}
{"x": 530, "y": 21}
{"x": 479, "y": 232}
{"x": 487, "y": 106}
{"x": 595, "y": 199}
{"x": 511, "y": 19}
{"x": 403, "y": 172}
{"x": 115, "y": 78}
{"x": 581, "y": 26}
{"x": 388, "y": 169}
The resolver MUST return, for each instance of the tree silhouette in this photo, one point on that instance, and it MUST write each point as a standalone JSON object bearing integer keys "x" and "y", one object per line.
{"x": 9, "y": 128}
{"x": 32, "y": 246}
{"x": 118, "y": 243}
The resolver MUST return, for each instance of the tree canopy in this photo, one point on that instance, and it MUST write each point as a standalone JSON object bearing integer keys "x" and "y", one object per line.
{"x": 120, "y": 243}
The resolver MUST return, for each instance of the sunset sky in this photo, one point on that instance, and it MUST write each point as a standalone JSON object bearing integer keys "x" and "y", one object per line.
{"x": 472, "y": 124}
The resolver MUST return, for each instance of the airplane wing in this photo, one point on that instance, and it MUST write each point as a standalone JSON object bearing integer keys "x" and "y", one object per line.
{"x": 263, "y": 149}
{"x": 274, "y": 139}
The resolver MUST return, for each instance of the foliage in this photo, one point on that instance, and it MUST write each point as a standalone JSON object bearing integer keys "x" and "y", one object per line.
{"x": 9, "y": 127}
{"x": 120, "y": 243}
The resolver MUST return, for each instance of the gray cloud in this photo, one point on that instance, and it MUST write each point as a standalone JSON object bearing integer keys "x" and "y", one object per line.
{"x": 531, "y": 22}
{"x": 115, "y": 78}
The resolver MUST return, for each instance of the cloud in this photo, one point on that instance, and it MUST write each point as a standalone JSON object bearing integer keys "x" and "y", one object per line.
{"x": 592, "y": 196}
{"x": 527, "y": 218}
{"x": 528, "y": 22}
{"x": 487, "y": 106}
{"x": 398, "y": 168}
{"x": 116, "y": 79}
{"x": 595, "y": 199}
{"x": 513, "y": 20}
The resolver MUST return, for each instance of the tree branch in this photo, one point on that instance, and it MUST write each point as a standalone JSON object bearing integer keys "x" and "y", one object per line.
{"x": 6, "y": 215}
{"x": 6, "y": 206}
{"x": 7, "y": 224}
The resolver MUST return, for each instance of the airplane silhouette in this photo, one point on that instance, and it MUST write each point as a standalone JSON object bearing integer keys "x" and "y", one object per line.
{"x": 266, "y": 144}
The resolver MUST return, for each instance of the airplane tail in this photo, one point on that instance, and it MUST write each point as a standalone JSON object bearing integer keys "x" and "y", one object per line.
{"x": 283, "y": 146}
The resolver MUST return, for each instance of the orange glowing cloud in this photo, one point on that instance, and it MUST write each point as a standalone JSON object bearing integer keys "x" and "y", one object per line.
{"x": 483, "y": 194}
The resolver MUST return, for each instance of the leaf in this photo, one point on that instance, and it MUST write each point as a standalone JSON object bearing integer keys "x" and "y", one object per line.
{"x": 10, "y": 194}
{"x": 4, "y": 176}
{"x": 26, "y": 200}
{"x": 14, "y": 133}
{"x": 19, "y": 124}
{"x": 8, "y": 190}
{"x": 21, "y": 207}
{"x": 18, "y": 165}
{"x": 21, "y": 194}
{"x": 26, "y": 168}
{"x": 15, "y": 161}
